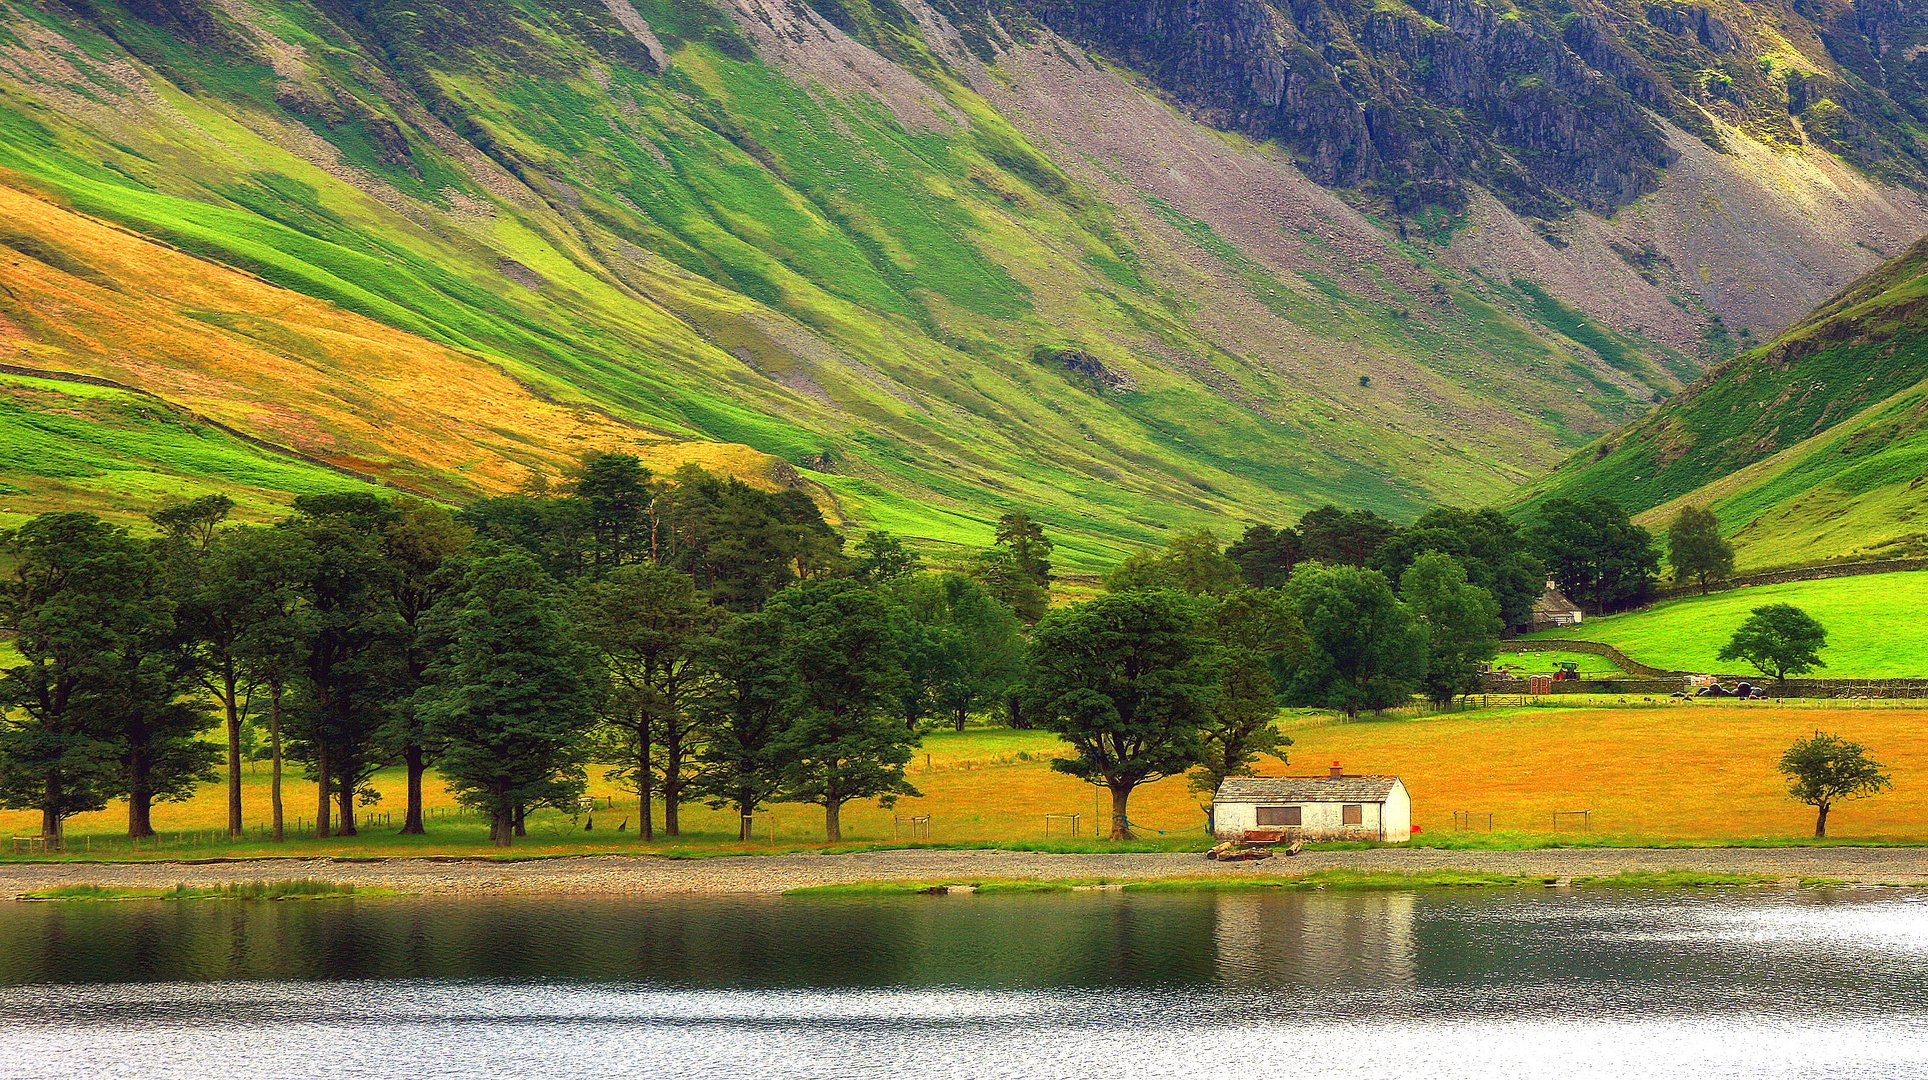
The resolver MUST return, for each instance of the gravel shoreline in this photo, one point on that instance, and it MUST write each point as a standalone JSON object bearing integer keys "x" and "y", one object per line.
{"x": 768, "y": 874}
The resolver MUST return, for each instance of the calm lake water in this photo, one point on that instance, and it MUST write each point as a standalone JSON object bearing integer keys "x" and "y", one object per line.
{"x": 1448, "y": 985}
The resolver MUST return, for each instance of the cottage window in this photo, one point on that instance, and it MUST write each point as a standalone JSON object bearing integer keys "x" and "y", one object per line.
{"x": 1278, "y": 815}
{"x": 1352, "y": 814}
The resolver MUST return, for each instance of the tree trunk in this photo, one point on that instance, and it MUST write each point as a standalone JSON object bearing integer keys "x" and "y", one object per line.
{"x": 958, "y": 721}
{"x": 322, "y": 780}
{"x": 345, "y": 798}
{"x": 521, "y": 820}
{"x": 229, "y": 700}
{"x": 52, "y": 825}
{"x": 672, "y": 787}
{"x": 274, "y": 752}
{"x": 140, "y": 795}
{"x": 645, "y": 785}
{"x": 744, "y": 820}
{"x": 413, "y": 757}
{"x": 833, "y": 821}
{"x": 1821, "y": 821}
{"x": 505, "y": 826}
{"x": 1120, "y": 824}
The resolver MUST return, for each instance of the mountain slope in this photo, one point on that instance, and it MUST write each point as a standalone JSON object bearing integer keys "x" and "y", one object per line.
{"x": 929, "y": 261}
{"x": 1813, "y": 447}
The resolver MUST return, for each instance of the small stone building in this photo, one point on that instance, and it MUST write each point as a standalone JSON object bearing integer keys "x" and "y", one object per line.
{"x": 1336, "y": 806}
{"x": 1554, "y": 609}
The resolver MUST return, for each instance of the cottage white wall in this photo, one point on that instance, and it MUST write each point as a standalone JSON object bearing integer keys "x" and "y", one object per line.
{"x": 1399, "y": 814}
{"x": 1321, "y": 820}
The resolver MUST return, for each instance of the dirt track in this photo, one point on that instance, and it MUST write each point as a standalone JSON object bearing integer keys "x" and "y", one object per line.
{"x": 777, "y": 873}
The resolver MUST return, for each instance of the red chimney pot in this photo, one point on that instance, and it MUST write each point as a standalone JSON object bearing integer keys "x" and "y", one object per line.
{"x": 1336, "y": 771}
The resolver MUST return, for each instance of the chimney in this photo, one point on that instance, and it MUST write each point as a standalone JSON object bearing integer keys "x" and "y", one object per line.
{"x": 1336, "y": 772}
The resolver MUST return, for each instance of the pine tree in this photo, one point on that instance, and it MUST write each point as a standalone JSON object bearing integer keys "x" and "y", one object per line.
{"x": 509, "y": 698}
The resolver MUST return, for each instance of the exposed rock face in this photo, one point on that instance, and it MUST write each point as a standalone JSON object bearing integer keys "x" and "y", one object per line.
{"x": 1545, "y": 104}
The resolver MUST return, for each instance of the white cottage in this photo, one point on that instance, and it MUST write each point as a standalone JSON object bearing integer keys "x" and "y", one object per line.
{"x": 1335, "y": 806}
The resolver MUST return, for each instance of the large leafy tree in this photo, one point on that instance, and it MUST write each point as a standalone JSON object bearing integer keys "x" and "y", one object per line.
{"x": 1256, "y": 634}
{"x": 1127, "y": 680}
{"x": 352, "y": 657}
{"x": 1695, "y": 548}
{"x": 1029, "y": 547}
{"x": 616, "y": 497}
{"x": 744, "y": 708}
{"x": 271, "y": 567}
{"x": 881, "y": 557}
{"x": 1190, "y": 562}
{"x": 1486, "y": 543}
{"x": 1779, "y": 640}
{"x": 1266, "y": 556}
{"x": 844, "y": 651}
{"x": 1461, "y": 623}
{"x": 1364, "y": 649}
{"x": 741, "y": 545}
{"x": 78, "y": 602}
{"x": 1343, "y": 537}
{"x": 972, "y": 645}
{"x": 998, "y": 571}
{"x": 1595, "y": 552}
{"x": 1824, "y": 769}
{"x": 648, "y": 627}
{"x": 509, "y": 699}
{"x": 419, "y": 544}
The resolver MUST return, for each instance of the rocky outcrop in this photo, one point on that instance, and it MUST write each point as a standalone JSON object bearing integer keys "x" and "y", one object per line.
{"x": 1547, "y": 107}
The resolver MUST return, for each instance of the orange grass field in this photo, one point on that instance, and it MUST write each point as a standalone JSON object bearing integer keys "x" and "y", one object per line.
{"x": 1685, "y": 772}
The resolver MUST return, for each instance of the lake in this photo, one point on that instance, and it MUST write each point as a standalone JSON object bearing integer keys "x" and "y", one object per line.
{"x": 1729, "y": 983}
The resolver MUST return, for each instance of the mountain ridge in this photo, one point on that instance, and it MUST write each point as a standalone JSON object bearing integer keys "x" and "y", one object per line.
{"x": 742, "y": 226}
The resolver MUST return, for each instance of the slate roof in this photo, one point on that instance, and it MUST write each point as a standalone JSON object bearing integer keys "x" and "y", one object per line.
{"x": 1345, "y": 789}
{"x": 1553, "y": 602}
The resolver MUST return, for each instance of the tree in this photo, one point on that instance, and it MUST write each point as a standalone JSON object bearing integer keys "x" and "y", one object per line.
{"x": 743, "y": 706}
{"x": 225, "y": 592}
{"x": 741, "y": 545}
{"x": 76, "y": 604}
{"x": 1364, "y": 649}
{"x": 1126, "y": 680}
{"x": 1824, "y": 769}
{"x": 1695, "y": 548}
{"x": 1593, "y": 551}
{"x": 509, "y": 698}
{"x": 882, "y": 557}
{"x": 1266, "y": 556}
{"x": 844, "y": 653}
{"x": 419, "y": 544}
{"x": 1256, "y": 633}
{"x": 975, "y": 655}
{"x": 647, "y": 628}
{"x": 1343, "y": 537}
{"x": 352, "y": 656}
{"x": 1190, "y": 562}
{"x": 272, "y": 652}
{"x": 615, "y": 494}
{"x": 192, "y": 522}
{"x": 1461, "y": 623}
{"x": 997, "y": 570}
{"x": 1779, "y": 640}
{"x": 1486, "y": 543}
{"x": 1030, "y": 549}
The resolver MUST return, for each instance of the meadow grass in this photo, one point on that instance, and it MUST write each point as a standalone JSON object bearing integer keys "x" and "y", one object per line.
{"x": 1545, "y": 663}
{"x": 1860, "y": 614}
{"x": 1682, "y": 774}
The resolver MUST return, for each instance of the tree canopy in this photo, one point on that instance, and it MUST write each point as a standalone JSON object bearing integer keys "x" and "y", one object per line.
{"x": 1824, "y": 769}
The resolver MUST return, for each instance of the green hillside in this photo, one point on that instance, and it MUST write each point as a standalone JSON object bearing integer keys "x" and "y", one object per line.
{"x": 1858, "y": 612}
{"x": 1809, "y": 448}
{"x": 450, "y": 246}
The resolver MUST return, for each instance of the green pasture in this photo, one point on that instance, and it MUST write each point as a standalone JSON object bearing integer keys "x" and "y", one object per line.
{"x": 1877, "y": 626}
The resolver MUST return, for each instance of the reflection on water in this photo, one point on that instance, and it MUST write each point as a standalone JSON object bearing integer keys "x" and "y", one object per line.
{"x": 1487, "y": 985}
